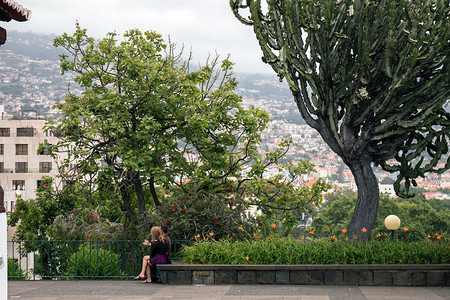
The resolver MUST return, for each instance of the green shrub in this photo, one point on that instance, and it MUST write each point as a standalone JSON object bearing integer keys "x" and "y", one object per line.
{"x": 203, "y": 214}
{"x": 291, "y": 251}
{"x": 419, "y": 217}
{"x": 15, "y": 272}
{"x": 93, "y": 263}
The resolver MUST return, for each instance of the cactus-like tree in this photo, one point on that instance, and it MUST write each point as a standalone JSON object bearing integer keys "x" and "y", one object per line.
{"x": 372, "y": 77}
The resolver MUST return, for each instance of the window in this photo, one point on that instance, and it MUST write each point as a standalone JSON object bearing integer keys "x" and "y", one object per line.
{"x": 44, "y": 150}
{"x": 2, "y": 167}
{"x": 45, "y": 167}
{"x": 18, "y": 185}
{"x": 2, "y": 149}
{"x": 26, "y": 131}
{"x": 50, "y": 132}
{"x": 4, "y": 132}
{"x": 21, "y": 149}
{"x": 21, "y": 167}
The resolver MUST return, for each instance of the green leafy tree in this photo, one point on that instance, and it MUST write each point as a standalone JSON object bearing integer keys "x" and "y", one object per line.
{"x": 370, "y": 76}
{"x": 146, "y": 120}
{"x": 34, "y": 221}
{"x": 276, "y": 196}
{"x": 142, "y": 113}
{"x": 34, "y": 218}
{"x": 335, "y": 214}
{"x": 220, "y": 204}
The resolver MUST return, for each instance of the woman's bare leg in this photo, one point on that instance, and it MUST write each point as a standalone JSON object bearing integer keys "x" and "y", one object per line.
{"x": 149, "y": 278}
{"x": 145, "y": 260}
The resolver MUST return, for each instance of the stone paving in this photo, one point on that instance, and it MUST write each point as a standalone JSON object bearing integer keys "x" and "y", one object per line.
{"x": 115, "y": 290}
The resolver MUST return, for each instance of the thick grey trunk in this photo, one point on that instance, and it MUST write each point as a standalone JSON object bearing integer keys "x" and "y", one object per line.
{"x": 366, "y": 208}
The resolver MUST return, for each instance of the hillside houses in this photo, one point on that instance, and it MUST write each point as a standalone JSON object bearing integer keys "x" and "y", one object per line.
{"x": 32, "y": 85}
{"x": 309, "y": 145}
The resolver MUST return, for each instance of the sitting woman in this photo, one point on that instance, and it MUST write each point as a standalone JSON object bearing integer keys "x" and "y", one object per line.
{"x": 158, "y": 254}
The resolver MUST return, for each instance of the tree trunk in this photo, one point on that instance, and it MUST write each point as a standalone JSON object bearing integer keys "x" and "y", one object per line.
{"x": 366, "y": 208}
{"x": 137, "y": 184}
{"x": 126, "y": 206}
{"x": 153, "y": 191}
{"x": 359, "y": 162}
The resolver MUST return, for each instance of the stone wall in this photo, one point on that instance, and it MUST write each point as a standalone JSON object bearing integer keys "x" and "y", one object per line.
{"x": 354, "y": 275}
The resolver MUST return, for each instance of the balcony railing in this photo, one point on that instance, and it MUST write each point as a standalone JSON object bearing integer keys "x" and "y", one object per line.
{"x": 72, "y": 259}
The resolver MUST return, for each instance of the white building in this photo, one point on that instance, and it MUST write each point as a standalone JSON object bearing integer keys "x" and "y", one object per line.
{"x": 21, "y": 167}
{"x": 387, "y": 189}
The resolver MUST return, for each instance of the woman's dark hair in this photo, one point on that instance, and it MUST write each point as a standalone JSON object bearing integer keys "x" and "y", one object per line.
{"x": 164, "y": 228}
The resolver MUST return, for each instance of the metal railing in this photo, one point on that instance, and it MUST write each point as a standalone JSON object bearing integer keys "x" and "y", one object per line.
{"x": 74, "y": 259}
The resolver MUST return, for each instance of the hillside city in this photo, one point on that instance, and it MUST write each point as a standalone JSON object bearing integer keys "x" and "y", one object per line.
{"x": 31, "y": 84}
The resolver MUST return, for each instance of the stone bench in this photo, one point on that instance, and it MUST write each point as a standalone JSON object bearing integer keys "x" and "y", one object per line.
{"x": 353, "y": 275}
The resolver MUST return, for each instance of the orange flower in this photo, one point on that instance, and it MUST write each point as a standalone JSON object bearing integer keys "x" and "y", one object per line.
{"x": 197, "y": 236}
{"x": 378, "y": 234}
{"x": 211, "y": 233}
{"x": 333, "y": 237}
{"x": 240, "y": 227}
{"x": 274, "y": 225}
{"x": 364, "y": 229}
{"x": 346, "y": 239}
{"x": 344, "y": 230}
{"x": 439, "y": 237}
{"x": 311, "y": 232}
{"x": 428, "y": 236}
{"x": 405, "y": 229}
{"x": 246, "y": 258}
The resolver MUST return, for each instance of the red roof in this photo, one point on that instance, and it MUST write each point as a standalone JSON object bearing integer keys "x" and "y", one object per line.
{"x": 11, "y": 10}
{"x": 311, "y": 183}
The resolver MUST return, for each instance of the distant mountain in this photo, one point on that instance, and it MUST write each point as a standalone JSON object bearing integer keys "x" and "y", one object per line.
{"x": 32, "y": 45}
{"x": 30, "y": 78}
{"x": 260, "y": 86}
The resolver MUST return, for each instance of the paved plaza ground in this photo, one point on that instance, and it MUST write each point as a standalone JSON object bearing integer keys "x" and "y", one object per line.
{"x": 115, "y": 290}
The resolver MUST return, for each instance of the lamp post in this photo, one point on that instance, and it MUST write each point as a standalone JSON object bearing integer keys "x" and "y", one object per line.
{"x": 392, "y": 223}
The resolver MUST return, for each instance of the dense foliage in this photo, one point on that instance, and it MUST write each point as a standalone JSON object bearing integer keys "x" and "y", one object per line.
{"x": 15, "y": 272}
{"x": 34, "y": 218}
{"x": 93, "y": 263}
{"x": 148, "y": 133}
{"x": 69, "y": 213}
{"x": 220, "y": 215}
{"x": 419, "y": 217}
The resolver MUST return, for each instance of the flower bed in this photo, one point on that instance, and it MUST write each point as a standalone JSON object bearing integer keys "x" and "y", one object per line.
{"x": 289, "y": 251}
{"x": 290, "y": 261}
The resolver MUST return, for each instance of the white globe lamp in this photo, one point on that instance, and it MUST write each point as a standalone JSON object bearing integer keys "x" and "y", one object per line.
{"x": 392, "y": 223}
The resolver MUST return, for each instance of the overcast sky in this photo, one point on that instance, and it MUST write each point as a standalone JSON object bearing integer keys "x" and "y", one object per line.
{"x": 206, "y": 26}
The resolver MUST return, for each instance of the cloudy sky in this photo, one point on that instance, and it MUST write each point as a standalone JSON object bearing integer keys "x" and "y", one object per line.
{"x": 205, "y": 26}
